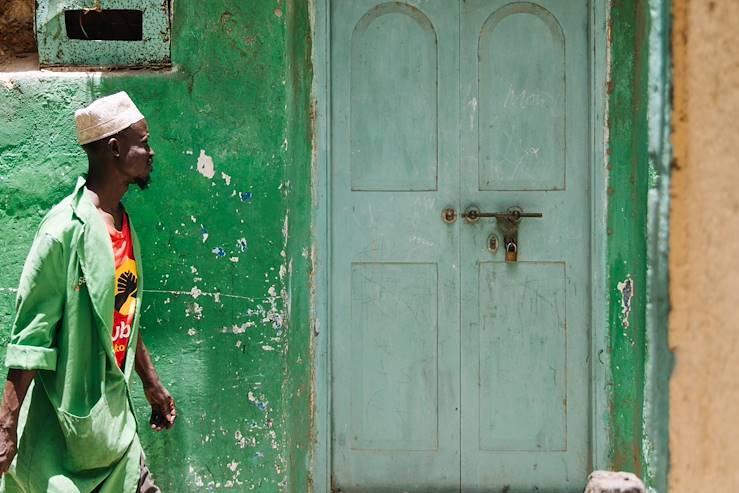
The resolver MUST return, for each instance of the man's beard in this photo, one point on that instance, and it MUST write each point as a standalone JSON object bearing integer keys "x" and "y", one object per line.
{"x": 143, "y": 182}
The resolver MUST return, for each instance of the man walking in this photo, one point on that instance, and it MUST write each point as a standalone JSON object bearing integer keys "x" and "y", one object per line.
{"x": 81, "y": 286}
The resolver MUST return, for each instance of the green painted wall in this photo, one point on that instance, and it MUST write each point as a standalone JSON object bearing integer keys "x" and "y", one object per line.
{"x": 226, "y": 257}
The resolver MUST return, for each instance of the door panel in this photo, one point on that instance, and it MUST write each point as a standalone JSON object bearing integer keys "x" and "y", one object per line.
{"x": 521, "y": 76}
{"x": 394, "y": 136}
{"x": 394, "y": 340}
{"x": 522, "y": 346}
{"x": 394, "y": 268}
{"x": 526, "y": 326}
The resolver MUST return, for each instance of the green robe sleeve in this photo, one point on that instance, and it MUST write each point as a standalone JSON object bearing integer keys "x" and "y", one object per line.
{"x": 41, "y": 294}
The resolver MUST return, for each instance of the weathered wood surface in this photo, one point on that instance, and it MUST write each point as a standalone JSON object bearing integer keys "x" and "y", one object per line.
{"x": 450, "y": 368}
{"x": 614, "y": 482}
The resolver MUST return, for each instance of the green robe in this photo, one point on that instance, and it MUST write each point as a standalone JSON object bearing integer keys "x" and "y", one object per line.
{"x": 80, "y": 432}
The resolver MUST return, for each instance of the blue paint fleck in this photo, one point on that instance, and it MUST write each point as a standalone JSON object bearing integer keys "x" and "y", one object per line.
{"x": 219, "y": 251}
{"x": 261, "y": 405}
{"x": 277, "y": 322}
{"x": 203, "y": 232}
{"x": 242, "y": 244}
{"x": 245, "y": 196}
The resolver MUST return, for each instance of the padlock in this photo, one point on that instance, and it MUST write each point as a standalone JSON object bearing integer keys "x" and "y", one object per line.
{"x": 511, "y": 250}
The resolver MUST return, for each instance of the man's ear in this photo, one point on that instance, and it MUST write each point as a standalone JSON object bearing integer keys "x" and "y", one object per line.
{"x": 114, "y": 146}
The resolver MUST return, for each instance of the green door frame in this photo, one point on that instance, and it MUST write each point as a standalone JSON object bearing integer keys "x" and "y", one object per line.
{"x": 639, "y": 156}
{"x": 630, "y": 195}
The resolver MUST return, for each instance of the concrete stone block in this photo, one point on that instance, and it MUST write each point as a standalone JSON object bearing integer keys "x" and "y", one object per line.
{"x": 614, "y": 482}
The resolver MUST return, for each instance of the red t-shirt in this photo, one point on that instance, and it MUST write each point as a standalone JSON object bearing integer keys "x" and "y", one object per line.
{"x": 126, "y": 289}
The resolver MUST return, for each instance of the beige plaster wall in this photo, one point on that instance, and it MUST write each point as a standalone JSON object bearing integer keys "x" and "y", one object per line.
{"x": 704, "y": 248}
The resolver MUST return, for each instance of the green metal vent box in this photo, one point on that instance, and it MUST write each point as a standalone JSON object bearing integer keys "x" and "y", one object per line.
{"x": 103, "y": 33}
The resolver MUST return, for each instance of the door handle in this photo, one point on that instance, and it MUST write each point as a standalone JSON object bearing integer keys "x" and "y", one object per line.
{"x": 449, "y": 215}
{"x": 513, "y": 215}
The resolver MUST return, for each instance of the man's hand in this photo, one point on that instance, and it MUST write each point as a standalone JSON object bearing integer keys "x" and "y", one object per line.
{"x": 8, "y": 447}
{"x": 163, "y": 412}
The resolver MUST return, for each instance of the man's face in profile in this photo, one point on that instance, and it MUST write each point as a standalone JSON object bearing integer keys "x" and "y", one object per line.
{"x": 135, "y": 153}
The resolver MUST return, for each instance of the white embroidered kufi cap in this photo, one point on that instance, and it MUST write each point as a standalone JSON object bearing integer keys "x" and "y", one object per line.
{"x": 105, "y": 117}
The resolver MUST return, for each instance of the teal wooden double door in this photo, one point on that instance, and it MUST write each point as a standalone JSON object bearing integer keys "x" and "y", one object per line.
{"x": 453, "y": 370}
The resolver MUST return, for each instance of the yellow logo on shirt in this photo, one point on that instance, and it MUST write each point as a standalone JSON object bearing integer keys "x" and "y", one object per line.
{"x": 126, "y": 287}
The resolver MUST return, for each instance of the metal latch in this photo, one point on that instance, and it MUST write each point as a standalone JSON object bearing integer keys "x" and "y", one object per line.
{"x": 507, "y": 223}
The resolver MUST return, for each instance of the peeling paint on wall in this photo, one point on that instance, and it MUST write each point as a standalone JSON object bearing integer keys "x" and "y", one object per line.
{"x": 216, "y": 304}
{"x": 626, "y": 288}
{"x": 206, "y": 166}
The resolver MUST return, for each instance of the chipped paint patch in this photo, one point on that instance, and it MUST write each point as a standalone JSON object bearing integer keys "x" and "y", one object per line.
{"x": 243, "y": 441}
{"x": 197, "y": 480}
{"x": 194, "y": 310}
{"x": 226, "y": 178}
{"x": 472, "y": 104}
{"x": 260, "y": 401}
{"x": 626, "y": 288}
{"x": 205, "y": 165}
{"x": 240, "y": 329}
